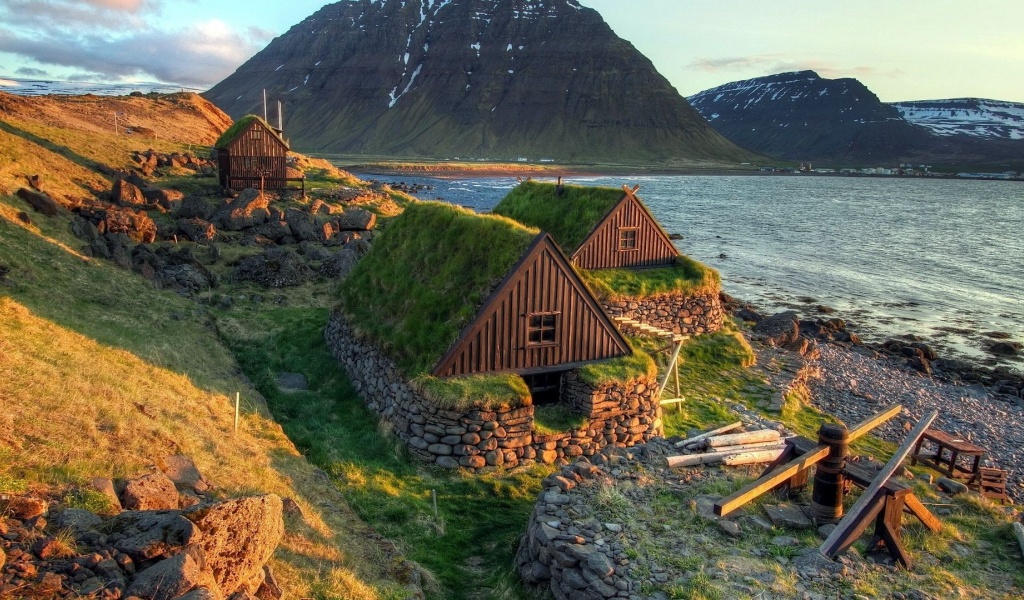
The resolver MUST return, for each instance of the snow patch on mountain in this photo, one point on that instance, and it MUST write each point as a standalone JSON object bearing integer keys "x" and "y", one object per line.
{"x": 975, "y": 117}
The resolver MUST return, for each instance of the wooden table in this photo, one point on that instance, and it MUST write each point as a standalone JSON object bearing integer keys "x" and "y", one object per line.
{"x": 946, "y": 458}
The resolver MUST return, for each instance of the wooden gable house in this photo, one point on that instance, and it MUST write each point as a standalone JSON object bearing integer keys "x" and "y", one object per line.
{"x": 446, "y": 292}
{"x": 600, "y": 228}
{"x": 251, "y": 154}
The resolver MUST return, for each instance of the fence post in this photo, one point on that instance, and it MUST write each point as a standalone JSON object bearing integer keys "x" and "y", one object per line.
{"x": 829, "y": 479}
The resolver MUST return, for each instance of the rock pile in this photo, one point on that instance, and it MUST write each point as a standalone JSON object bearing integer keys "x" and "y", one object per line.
{"x": 685, "y": 315}
{"x": 171, "y": 542}
{"x": 150, "y": 161}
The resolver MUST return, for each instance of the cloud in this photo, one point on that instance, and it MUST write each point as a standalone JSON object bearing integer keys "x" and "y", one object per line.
{"x": 768, "y": 64}
{"x": 196, "y": 56}
{"x": 31, "y": 72}
{"x": 52, "y": 15}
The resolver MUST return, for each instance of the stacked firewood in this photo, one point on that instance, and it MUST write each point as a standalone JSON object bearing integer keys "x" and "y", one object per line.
{"x": 731, "y": 446}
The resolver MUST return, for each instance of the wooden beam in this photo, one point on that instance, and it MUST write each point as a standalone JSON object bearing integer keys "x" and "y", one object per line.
{"x": 924, "y": 515}
{"x": 780, "y": 444}
{"x": 830, "y": 547}
{"x": 747, "y": 437}
{"x": 768, "y": 482}
{"x": 865, "y": 426}
{"x": 671, "y": 364}
{"x": 707, "y": 434}
{"x": 752, "y": 458}
{"x": 872, "y": 508}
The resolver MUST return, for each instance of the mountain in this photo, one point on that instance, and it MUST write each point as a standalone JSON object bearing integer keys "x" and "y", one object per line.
{"x": 973, "y": 117}
{"x": 488, "y": 79}
{"x": 802, "y": 116}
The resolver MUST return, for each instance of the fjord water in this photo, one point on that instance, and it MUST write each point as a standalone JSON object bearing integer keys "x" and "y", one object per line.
{"x": 941, "y": 259}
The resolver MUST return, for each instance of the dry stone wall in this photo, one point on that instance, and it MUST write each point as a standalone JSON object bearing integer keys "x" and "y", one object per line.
{"x": 685, "y": 315}
{"x": 618, "y": 414}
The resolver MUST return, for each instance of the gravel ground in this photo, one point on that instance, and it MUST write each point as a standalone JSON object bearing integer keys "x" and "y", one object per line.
{"x": 852, "y": 387}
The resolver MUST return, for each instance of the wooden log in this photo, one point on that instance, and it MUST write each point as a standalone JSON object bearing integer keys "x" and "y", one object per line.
{"x": 777, "y": 476}
{"x": 830, "y": 546}
{"x": 712, "y": 433}
{"x": 865, "y": 426}
{"x": 749, "y": 437}
{"x": 755, "y": 446}
{"x": 707, "y": 458}
{"x": 1018, "y": 530}
{"x": 752, "y": 458}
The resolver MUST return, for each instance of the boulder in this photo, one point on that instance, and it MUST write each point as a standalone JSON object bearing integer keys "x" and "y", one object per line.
{"x": 779, "y": 330}
{"x": 149, "y": 534}
{"x": 304, "y": 226}
{"x": 172, "y": 578}
{"x": 269, "y": 589}
{"x": 273, "y": 230}
{"x": 339, "y": 264}
{"x": 135, "y": 224}
{"x": 169, "y": 199}
{"x": 249, "y": 209}
{"x": 40, "y": 202}
{"x": 77, "y": 519}
{"x": 194, "y": 207}
{"x": 154, "y": 491}
{"x": 24, "y": 508}
{"x": 238, "y": 537}
{"x": 1005, "y": 348}
{"x": 197, "y": 230}
{"x": 183, "y": 472}
{"x": 276, "y": 267}
{"x": 126, "y": 194}
{"x": 355, "y": 219}
{"x": 3, "y": 557}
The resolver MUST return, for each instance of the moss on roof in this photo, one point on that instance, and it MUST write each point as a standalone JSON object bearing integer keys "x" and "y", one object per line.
{"x": 238, "y": 127}
{"x": 687, "y": 277}
{"x": 427, "y": 276}
{"x": 569, "y": 217}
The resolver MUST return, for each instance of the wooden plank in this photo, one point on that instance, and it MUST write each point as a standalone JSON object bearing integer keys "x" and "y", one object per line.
{"x": 671, "y": 364}
{"x": 829, "y": 547}
{"x": 713, "y": 432}
{"x": 747, "y": 437}
{"x": 780, "y": 444}
{"x": 922, "y": 513}
{"x": 752, "y": 458}
{"x": 770, "y": 481}
{"x": 865, "y": 426}
{"x": 889, "y": 530}
{"x": 872, "y": 508}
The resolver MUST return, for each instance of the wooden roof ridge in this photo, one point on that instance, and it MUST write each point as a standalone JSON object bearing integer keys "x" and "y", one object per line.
{"x": 628, "y": 196}
{"x": 543, "y": 241}
{"x": 241, "y": 126}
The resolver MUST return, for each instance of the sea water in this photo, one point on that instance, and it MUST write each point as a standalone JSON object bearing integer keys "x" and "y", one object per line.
{"x": 937, "y": 258}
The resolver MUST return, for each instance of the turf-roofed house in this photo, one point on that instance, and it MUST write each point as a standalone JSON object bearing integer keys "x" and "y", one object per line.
{"x": 252, "y": 154}
{"x": 623, "y": 254}
{"x": 477, "y": 340}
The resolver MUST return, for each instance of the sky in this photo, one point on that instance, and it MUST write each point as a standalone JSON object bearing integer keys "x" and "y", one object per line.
{"x": 900, "y": 49}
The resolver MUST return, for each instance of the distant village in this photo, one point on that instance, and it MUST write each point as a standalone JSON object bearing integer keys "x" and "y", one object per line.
{"x": 903, "y": 170}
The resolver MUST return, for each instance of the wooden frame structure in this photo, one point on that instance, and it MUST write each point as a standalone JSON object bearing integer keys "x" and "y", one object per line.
{"x": 254, "y": 155}
{"x": 647, "y": 245}
{"x": 541, "y": 284}
{"x": 883, "y": 501}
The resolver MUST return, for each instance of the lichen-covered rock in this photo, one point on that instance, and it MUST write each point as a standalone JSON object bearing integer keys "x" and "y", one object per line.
{"x": 126, "y": 194}
{"x": 172, "y": 578}
{"x": 41, "y": 202}
{"x": 197, "y": 230}
{"x": 304, "y": 226}
{"x": 154, "y": 491}
{"x": 26, "y": 507}
{"x": 145, "y": 535}
{"x": 275, "y": 268}
{"x": 238, "y": 537}
{"x": 182, "y": 471}
{"x": 356, "y": 219}
{"x": 194, "y": 207}
{"x": 779, "y": 329}
{"x": 249, "y": 209}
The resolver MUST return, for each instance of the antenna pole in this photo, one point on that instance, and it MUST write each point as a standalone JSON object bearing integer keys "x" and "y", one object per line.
{"x": 280, "y": 117}
{"x": 264, "y": 104}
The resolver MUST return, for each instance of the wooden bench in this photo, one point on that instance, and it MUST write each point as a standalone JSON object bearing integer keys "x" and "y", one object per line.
{"x": 946, "y": 458}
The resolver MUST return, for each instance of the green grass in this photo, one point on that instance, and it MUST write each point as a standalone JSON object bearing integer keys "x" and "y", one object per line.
{"x": 687, "y": 277}
{"x": 426, "y": 278}
{"x": 556, "y": 418}
{"x": 569, "y": 217}
{"x": 236, "y": 129}
{"x": 485, "y": 391}
{"x": 479, "y": 518}
{"x": 624, "y": 369}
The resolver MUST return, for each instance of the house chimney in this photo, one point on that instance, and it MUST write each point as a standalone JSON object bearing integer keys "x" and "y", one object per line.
{"x": 264, "y": 104}
{"x": 280, "y": 117}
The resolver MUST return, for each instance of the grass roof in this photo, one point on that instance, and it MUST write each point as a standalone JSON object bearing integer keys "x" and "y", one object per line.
{"x": 569, "y": 217}
{"x": 687, "y": 277}
{"x": 427, "y": 276}
{"x": 238, "y": 127}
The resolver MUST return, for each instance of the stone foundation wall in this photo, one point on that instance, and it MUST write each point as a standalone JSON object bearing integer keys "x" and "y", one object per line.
{"x": 618, "y": 415}
{"x": 685, "y": 315}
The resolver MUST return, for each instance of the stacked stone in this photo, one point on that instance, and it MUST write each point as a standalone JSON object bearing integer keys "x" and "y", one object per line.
{"x": 683, "y": 315}
{"x": 620, "y": 414}
{"x": 575, "y": 557}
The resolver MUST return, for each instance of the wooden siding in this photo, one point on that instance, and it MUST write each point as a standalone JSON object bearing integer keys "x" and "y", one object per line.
{"x": 601, "y": 248}
{"x": 542, "y": 282}
{"x": 256, "y": 153}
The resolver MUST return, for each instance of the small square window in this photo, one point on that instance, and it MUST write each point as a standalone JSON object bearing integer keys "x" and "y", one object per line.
{"x": 627, "y": 238}
{"x": 541, "y": 329}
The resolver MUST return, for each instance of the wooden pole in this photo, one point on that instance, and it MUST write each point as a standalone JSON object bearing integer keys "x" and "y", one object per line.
{"x": 712, "y": 433}
{"x": 752, "y": 458}
{"x": 433, "y": 498}
{"x": 709, "y": 458}
{"x": 830, "y": 547}
{"x": 860, "y": 429}
{"x": 675, "y": 356}
{"x": 777, "y": 476}
{"x": 749, "y": 437}
{"x": 238, "y": 398}
{"x": 829, "y": 477}
{"x": 754, "y": 446}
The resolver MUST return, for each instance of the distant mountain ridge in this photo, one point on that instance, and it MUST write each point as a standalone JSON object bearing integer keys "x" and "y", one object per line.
{"x": 486, "y": 79}
{"x": 802, "y": 116}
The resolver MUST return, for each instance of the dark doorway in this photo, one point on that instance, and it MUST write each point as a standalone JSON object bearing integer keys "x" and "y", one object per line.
{"x": 545, "y": 388}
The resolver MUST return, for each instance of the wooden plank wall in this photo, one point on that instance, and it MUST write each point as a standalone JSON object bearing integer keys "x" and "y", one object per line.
{"x": 601, "y": 249}
{"x": 498, "y": 340}
{"x": 252, "y": 154}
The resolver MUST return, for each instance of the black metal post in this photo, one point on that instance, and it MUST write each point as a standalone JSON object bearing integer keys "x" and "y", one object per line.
{"x": 829, "y": 480}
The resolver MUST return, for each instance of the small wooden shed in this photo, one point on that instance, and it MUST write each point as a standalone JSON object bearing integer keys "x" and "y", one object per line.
{"x": 251, "y": 154}
{"x": 600, "y": 228}
{"x": 448, "y": 292}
